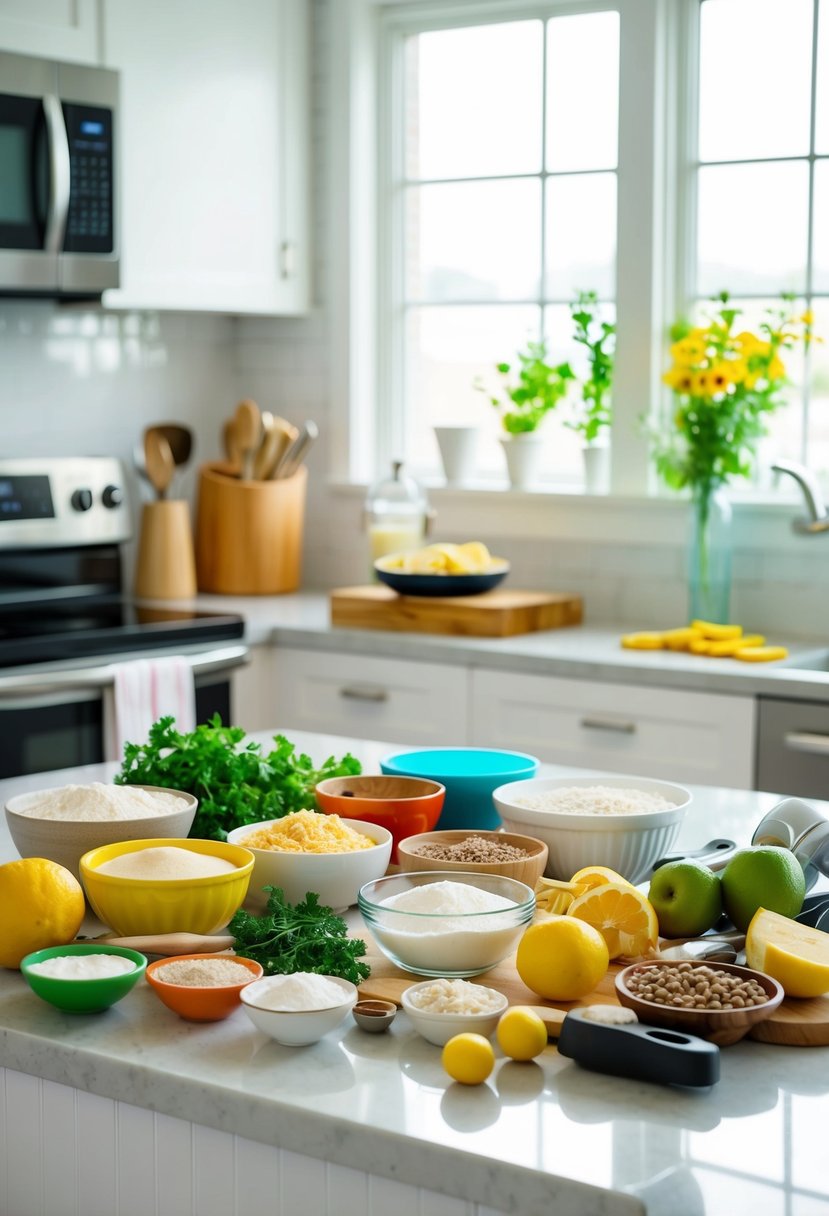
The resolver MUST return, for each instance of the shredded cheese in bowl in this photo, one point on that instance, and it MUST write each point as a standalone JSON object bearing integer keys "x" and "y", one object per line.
{"x": 308, "y": 832}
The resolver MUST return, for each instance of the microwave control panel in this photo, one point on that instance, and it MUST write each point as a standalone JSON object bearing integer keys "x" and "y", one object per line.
{"x": 89, "y": 225}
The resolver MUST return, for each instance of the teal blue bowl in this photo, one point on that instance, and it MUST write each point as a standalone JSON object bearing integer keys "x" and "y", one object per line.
{"x": 470, "y": 775}
{"x": 79, "y": 995}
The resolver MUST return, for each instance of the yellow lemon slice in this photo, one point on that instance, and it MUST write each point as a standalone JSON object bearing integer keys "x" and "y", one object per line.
{"x": 717, "y": 633}
{"x": 597, "y": 876}
{"x": 642, "y": 641}
{"x": 623, "y": 916}
{"x": 761, "y": 654}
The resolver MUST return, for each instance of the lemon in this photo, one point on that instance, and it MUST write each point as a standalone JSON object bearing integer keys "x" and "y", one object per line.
{"x": 795, "y": 955}
{"x": 468, "y": 1058}
{"x": 623, "y": 916}
{"x": 597, "y": 876}
{"x": 521, "y": 1033}
{"x": 41, "y": 904}
{"x": 763, "y": 876}
{"x": 562, "y": 958}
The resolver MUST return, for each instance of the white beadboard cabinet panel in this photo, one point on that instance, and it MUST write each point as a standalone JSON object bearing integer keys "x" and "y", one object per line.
{"x": 370, "y": 698}
{"x": 214, "y": 122}
{"x": 155, "y": 1157}
{"x": 703, "y": 738}
{"x": 51, "y": 29}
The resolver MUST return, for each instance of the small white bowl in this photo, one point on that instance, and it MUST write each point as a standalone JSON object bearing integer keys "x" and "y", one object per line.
{"x": 335, "y": 877}
{"x": 439, "y": 1028}
{"x": 296, "y": 1028}
{"x": 629, "y": 844}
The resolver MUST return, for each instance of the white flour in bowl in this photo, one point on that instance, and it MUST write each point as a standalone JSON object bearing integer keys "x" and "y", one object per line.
{"x": 594, "y": 800}
{"x": 97, "y": 802}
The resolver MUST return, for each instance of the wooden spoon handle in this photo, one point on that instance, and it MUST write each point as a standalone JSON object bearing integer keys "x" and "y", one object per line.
{"x": 172, "y": 943}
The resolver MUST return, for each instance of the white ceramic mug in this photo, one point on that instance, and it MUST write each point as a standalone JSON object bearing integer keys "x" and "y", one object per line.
{"x": 458, "y": 449}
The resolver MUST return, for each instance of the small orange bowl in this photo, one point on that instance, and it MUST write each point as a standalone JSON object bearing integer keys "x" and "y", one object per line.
{"x": 405, "y": 806}
{"x": 201, "y": 1003}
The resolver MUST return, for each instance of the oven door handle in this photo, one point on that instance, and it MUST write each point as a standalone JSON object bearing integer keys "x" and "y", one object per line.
{"x": 89, "y": 679}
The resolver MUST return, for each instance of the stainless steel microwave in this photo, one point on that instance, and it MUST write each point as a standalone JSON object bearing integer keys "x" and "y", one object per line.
{"x": 58, "y": 205}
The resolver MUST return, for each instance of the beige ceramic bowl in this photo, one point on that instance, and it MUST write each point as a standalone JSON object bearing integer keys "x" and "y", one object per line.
{"x": 525, "y": 869}
{"x": 65, "y": 841}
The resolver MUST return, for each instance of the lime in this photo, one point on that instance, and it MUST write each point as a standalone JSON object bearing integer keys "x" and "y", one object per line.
{"x": 468, "y": 1058}
{"x": 687, "y": 898}
{"x": 521, "y": 1033}
{"x": 763, "y": 876}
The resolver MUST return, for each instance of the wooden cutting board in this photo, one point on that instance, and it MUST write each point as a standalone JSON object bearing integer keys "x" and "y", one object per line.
{"x": 795, "y": 1023}
{"x": 494, "y": 614}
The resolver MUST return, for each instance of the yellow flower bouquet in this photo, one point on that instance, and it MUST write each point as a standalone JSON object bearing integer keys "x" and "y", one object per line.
{"x": 725, "y": 382}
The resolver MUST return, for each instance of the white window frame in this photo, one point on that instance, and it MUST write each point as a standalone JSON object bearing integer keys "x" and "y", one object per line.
{"x": 658, "y": 64}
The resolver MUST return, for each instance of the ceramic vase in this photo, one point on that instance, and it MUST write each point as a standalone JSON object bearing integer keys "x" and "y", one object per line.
{"x": 458, "y": 449}
{"x": 596, "y": 458}
{"x": 523, "y": 453}
{"x": 709, "y": 555}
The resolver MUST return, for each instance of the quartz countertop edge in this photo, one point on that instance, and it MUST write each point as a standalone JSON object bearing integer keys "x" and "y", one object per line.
{"x": 317, "y": 1133}
{"x": 589, "y": 651}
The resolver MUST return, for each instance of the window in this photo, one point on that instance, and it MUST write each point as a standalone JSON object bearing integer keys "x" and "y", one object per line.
{"x": 762, "y": 214}
{"x": 504, "y": 201}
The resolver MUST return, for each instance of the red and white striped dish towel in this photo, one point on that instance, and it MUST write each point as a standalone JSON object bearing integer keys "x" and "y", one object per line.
{"x": 143, "y": 691}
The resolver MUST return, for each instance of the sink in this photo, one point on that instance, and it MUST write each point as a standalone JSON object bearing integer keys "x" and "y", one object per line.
{"x": 812, "y": 660}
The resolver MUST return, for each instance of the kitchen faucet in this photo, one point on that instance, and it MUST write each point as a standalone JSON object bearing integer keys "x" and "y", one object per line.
{"x": 818, "y": 520}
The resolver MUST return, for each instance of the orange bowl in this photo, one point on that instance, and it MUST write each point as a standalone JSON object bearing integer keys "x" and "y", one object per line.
{"x": 199, "y": 1003}
{"x": 405, "y": 806}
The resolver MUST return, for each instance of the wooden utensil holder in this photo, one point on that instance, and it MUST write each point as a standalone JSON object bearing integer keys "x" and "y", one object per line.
{"x": 166, "y": 565}
{"x": 249, "y": 533}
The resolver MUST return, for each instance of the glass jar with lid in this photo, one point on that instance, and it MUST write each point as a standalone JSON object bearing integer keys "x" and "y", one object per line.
{"x": 396, "y": 513}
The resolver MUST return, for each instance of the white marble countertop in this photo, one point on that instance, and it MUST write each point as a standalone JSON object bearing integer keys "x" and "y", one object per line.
{"x": 591, "y": 652}
{"x": 536, "y": 1138}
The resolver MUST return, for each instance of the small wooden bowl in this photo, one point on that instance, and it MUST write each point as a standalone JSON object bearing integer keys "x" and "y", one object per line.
{"x": 720, "y": 1026}
{"x": 525, "y": 869}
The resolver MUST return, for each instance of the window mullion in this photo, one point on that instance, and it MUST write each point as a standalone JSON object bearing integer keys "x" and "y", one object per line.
{"x": 641, "y": 294}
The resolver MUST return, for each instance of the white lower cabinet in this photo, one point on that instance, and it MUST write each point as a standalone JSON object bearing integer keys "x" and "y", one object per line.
{"x": 251, "y": 702}
{"x": 702, "y": 738}
{"x": 370, "y": 698}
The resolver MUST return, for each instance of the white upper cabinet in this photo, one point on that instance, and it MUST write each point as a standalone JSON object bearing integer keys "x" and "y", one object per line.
{"x": 214, "y": 139}
{"x": 51, "y": 29}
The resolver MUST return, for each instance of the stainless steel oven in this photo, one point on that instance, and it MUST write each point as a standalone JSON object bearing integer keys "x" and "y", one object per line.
{"x": 65, "y": 623}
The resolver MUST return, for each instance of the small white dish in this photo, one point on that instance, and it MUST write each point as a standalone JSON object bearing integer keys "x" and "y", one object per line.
{"x": 295, "y": 1027}
{"x": 439, "y": 1028}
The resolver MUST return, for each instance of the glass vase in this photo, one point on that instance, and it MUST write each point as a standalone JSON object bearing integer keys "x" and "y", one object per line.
{"x": 709, "y": 555}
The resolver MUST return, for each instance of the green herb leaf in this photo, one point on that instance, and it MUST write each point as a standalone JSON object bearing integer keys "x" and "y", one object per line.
{"x": 304, "y": 937}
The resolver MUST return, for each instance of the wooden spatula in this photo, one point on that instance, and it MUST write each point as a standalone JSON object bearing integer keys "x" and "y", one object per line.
{"x": 158, "y": 460}
{"x": 247, "y": 422}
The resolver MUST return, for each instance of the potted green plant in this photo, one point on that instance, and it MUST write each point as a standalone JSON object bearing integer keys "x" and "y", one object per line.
{"x": 592, "y": 413}
{"x": 725, "y": 384}
{"x": 532, "y": 388}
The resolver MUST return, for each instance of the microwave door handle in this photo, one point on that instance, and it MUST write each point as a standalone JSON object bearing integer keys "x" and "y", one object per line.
{"x": 59, "y": 174}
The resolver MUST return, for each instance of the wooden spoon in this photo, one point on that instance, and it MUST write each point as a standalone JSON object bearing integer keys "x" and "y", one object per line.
{"x": 279, "y": 435}
{"x": 247, "y": 423}
{"x": 158, "y": 460}
{"x": 180, "y": 439}
{"x": 171, "y": 943}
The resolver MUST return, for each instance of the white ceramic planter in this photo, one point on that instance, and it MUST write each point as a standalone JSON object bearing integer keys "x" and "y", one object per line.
{"x": 523, "y": 453}
{"x": 458, "y": 450}
{"x": 596, "y": 468}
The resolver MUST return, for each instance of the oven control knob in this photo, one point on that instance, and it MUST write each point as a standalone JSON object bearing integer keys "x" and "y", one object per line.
{"x": 112, "y": 496}
{"x": 82, "y": 500}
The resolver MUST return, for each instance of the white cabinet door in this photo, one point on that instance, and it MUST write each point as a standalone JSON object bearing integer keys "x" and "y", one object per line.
{"x": 653, "y": 732}
{"x": 214, "y": 167}
{"x": 51, "y": 29}
{"x": 368, "y": 698}
{"x": 251, "y": 705}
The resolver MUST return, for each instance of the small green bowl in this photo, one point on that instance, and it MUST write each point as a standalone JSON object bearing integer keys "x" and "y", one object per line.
{"x": 82, "y": 996}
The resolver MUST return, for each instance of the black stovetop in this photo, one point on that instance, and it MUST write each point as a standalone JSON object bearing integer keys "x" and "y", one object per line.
{"x": 60, "y": 631}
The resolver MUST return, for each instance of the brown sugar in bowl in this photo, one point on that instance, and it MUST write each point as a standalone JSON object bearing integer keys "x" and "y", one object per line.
{"x": 526, "y": 869}
{"x": 405, "y": 806}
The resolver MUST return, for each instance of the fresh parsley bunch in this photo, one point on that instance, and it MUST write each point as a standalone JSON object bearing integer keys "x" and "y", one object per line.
{"x": 302, "y": 937}
{"x": 234, "y": 782}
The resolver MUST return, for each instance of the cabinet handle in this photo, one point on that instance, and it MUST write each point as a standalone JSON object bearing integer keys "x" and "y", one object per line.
{"x": 287, "y": 259}
{"x": 802, "y": 741}
{"x": 364, "y": 692}
{"x": 598, "y": 722}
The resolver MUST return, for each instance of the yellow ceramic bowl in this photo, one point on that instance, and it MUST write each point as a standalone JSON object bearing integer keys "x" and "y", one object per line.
{"x": 133, "y": 906}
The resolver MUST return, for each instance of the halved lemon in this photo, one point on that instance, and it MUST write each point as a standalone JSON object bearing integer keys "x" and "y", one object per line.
{"x": 623, "y": 916}
{"x": 598, "y": 876}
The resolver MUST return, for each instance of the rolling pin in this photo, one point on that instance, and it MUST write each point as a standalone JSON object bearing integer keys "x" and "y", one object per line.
{"x": 169, "y": 943}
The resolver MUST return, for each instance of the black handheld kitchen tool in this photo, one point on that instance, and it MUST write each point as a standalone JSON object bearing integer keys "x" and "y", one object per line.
{"x": 645, "y": 1053}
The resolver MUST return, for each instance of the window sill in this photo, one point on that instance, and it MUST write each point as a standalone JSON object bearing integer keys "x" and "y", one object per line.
{"x": 760, "y": 519}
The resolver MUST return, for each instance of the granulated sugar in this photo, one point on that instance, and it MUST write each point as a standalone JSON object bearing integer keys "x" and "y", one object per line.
{"x": 300, "y": 991}
{"x": 97, "y": 801}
